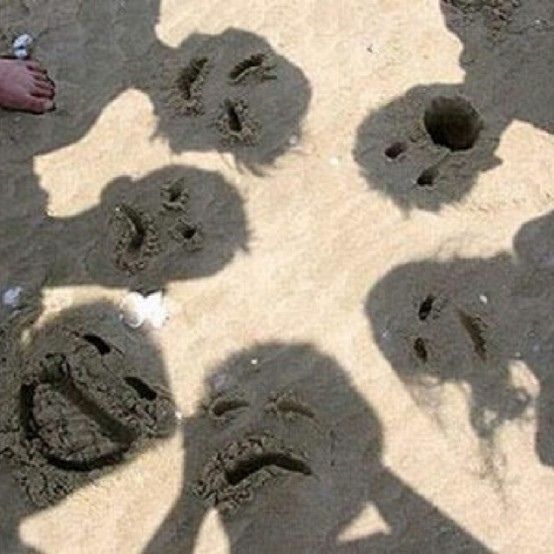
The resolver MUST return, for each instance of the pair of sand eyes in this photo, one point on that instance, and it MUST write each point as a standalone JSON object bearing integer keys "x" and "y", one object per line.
{"x": 227, "y": 406}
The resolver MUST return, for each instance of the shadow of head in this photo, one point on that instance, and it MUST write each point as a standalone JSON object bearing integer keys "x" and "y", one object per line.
{"x": 427, "y": 148}
{"x": 281, "y": 431}
{"x": 176, "y": 223}
{"x": 507, "y": 56}
{"x": 289, "y": 454}
{"x": 228, "y": 93}
{"x": 466, "y": 321}
{"x": 81, "y": 396}
{"x": 295, "y": 416}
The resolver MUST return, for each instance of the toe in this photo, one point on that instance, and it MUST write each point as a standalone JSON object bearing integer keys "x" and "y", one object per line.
{"x": 42, "y": 91}
{"x": 38, "y": 105}
{"x": 34, "y": 67}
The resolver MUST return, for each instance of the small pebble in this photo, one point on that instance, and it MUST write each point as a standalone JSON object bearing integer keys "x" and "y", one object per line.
{"x": 484, "y": 299}
{"x": 254, "y": 361}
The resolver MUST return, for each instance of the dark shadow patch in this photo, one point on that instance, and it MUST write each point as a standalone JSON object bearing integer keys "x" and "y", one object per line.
{"x": 79, "y": 411}
{"x": 476, "y": 340}
{"x": 272, "y": 475}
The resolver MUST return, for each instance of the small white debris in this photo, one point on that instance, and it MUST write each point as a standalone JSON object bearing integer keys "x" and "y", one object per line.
{"x": 21, "y": 54}
{"x": 178, "y": 415}
{"x": 22, "y": 46}
{"x": 11, "y": 297}
{"x": 334, "y": 161}
{"x": 293, "y": 140}
{"x": 484, "y": 299}
{"x": 254, "y": 361}
{"x": 137, "y": 309}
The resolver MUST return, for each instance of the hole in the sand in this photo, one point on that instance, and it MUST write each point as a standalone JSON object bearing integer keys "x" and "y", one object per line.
{"x": 223, "y": 406}
{"x": 233, "y": 118}
{"x": 141, "y": 388}
{"x": 420, "y": 349}
{"x": 452, "y": 122}
{"x": 188, "y": 231}
{"x": 137, "y": 228}
{"x": 290, "y": 405}
{"x": 247, "y": 467}
{"x": 175, "y": 191}
{"x": 26, "y": 399}
{"x": 395, "y": 150}
{"x": 426, "y": 307}
{"x": 189, "y": 76}
{"x": 100, "y": 344}
{"x": 427, "y": 177}
{"x": 474, "y": 328}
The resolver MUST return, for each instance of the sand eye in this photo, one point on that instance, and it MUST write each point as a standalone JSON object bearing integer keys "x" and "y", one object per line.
{"x": 289, "y": 405}
{"x": 100, "y": 344}
{"x": 224, "y": 407}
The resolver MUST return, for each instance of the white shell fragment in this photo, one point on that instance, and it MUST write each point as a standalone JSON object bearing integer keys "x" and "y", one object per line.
{"x": 137, "y": 309}
{"x": 22, "y": 46}
{"x": 11, "y": 297}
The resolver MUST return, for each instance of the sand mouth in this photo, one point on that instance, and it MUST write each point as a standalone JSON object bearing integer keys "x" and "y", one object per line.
{"x": 232, "y": 476}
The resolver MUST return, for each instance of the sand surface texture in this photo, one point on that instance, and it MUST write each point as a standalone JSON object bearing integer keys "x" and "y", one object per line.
{"x": 349, "y": 209}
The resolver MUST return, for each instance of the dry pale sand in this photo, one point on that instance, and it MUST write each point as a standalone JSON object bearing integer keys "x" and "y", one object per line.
{"x": 348, "y": 206}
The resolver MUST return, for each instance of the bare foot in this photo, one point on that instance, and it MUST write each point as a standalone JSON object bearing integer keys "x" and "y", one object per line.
{"x": 25, "y": 86}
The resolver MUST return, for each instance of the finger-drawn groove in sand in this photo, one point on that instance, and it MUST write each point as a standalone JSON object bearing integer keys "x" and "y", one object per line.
{"x": 236, "y": 125}
{"x": 296, "y": 482}
{"x": 82, "y": 396}
{"x": 490, "y": 313}
{"x": 233, "y": 475}
{"x": 255, "y": 67}
{"x": 185, "y": 93}
{"x": 427, "y": 147}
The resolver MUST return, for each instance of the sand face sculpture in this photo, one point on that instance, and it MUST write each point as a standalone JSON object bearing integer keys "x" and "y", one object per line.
{"x": 176, "y": 223}
{"x": 465, "y": 321}
{"x": 231, "y": 93}
{"x": 288, "y": 453}
{"x": 80, "y": 396}
{"x": 428, "y": 147}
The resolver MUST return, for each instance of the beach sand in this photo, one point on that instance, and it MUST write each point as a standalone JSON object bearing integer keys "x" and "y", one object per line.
{"x": 348, "y": 208}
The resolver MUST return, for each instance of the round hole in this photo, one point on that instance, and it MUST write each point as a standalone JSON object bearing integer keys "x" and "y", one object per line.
{"x": 452, "y": 122}
{"x": 394, "y": 150}
{"x": 427, "y": 178}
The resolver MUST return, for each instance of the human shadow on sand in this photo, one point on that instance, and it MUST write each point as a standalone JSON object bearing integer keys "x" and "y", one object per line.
{"x": 466, "y": 321}
{"x": 427, "y": 148}
{"x": 230, "y": 92}
{"x": 288, "y": 453}
{"x": 80, "y": 396}
{"x": 177, "y": 223}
